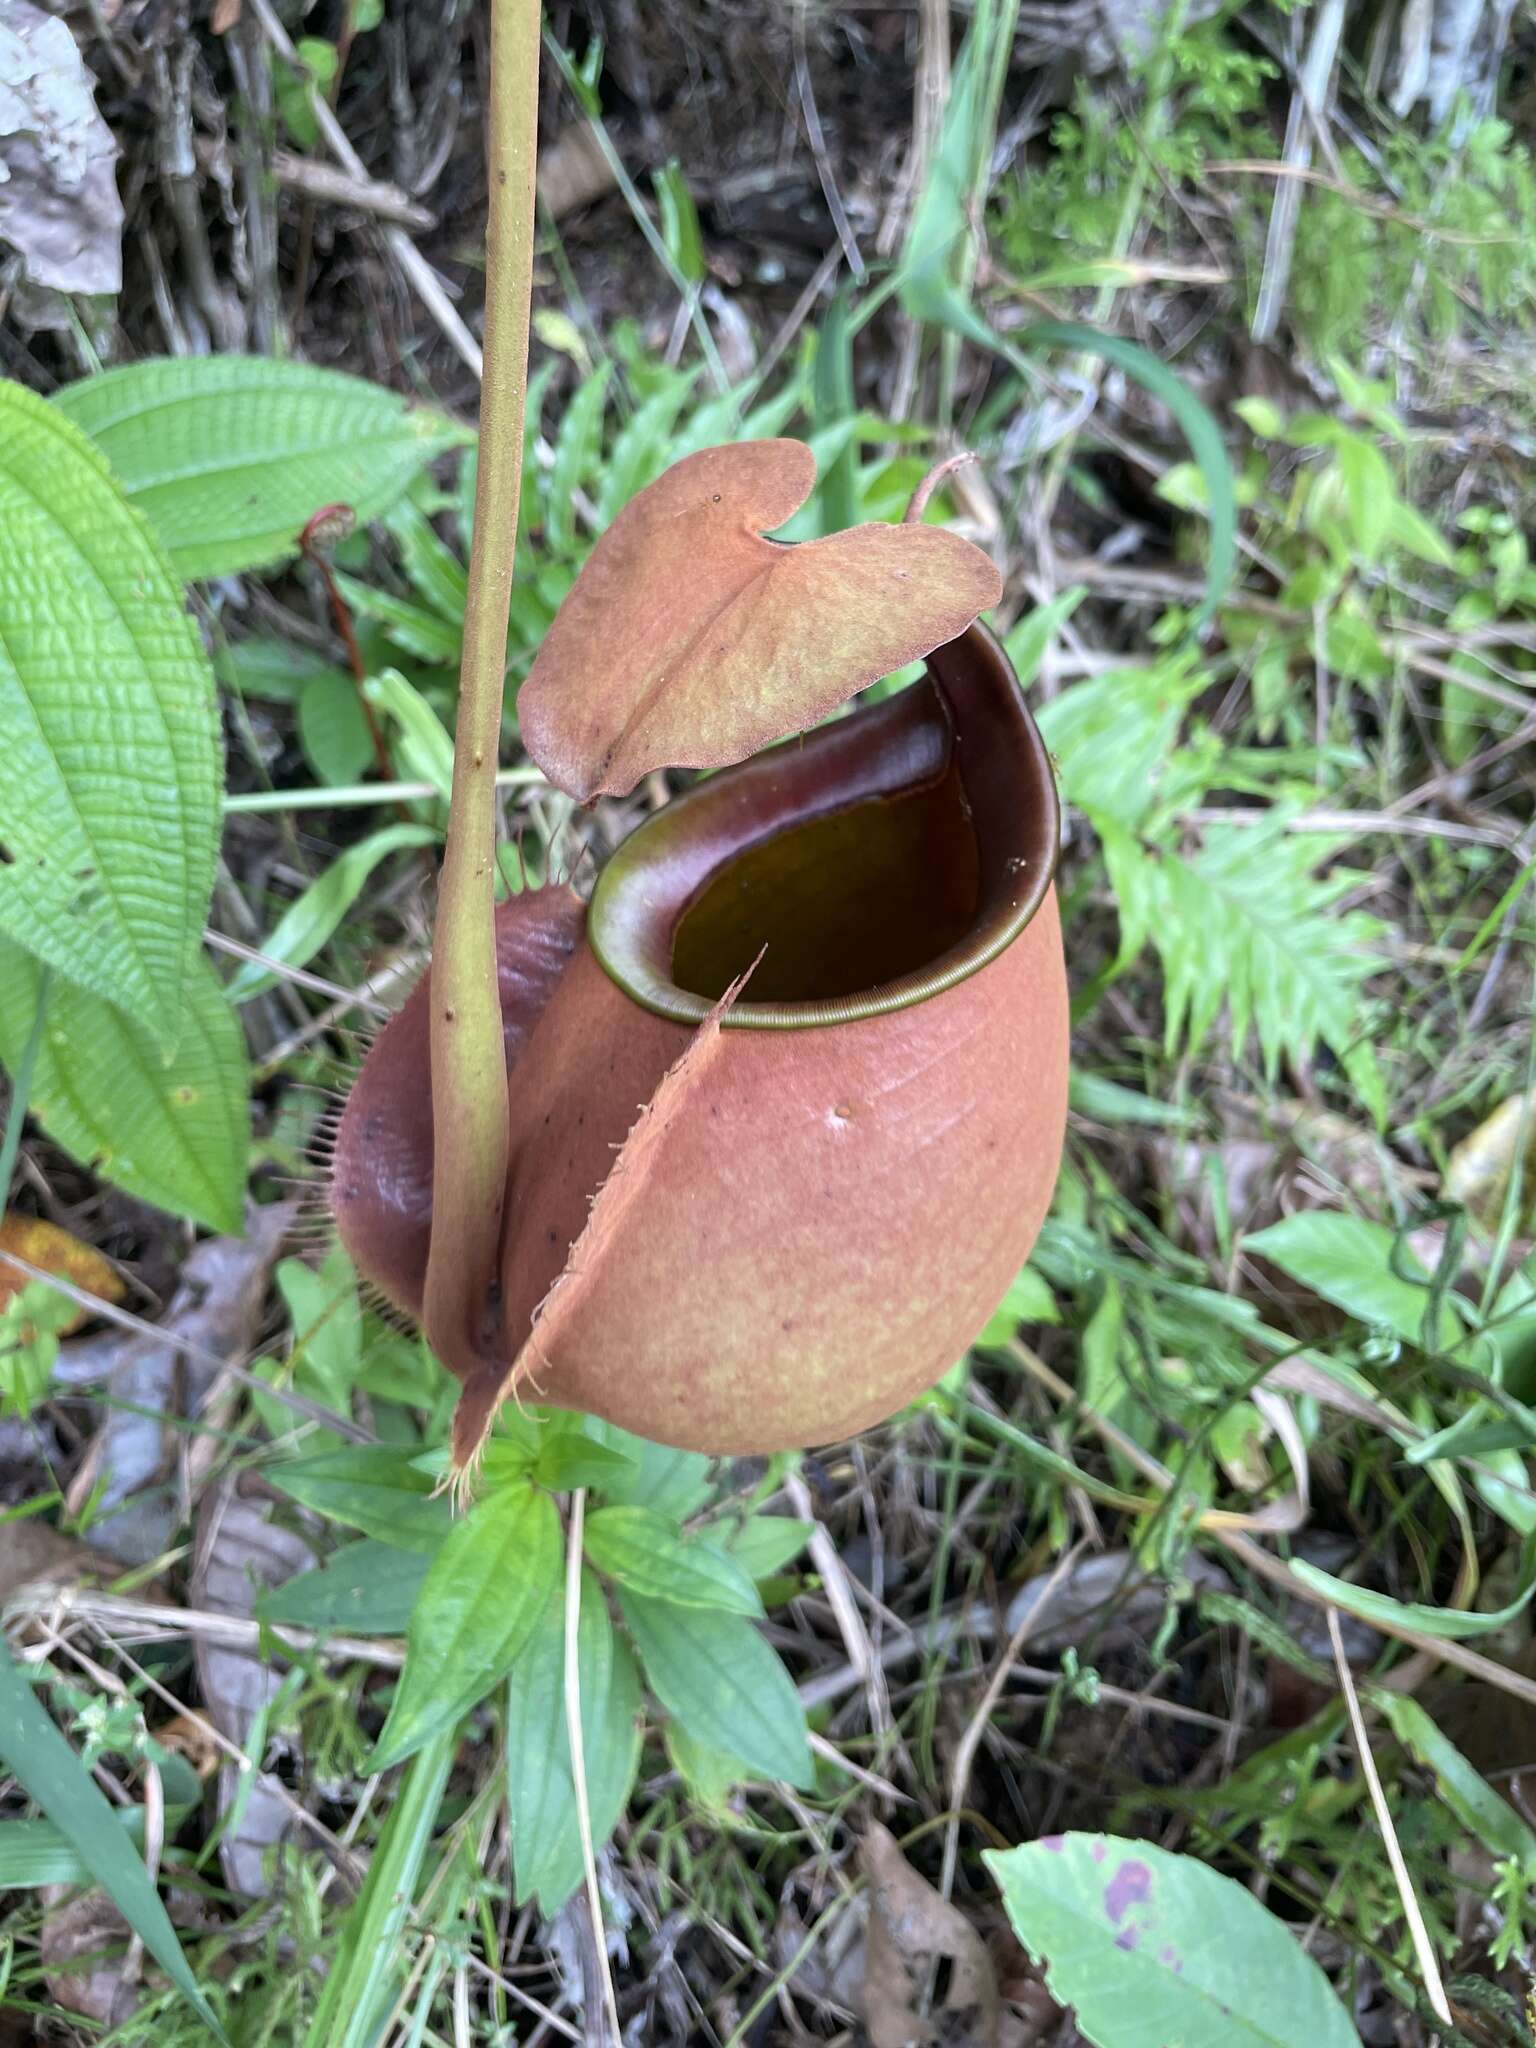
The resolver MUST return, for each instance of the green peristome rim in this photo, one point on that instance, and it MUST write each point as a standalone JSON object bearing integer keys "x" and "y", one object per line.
{"x": 976, "y": 688}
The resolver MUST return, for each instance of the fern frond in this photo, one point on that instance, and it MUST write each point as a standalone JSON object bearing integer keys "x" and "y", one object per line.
{"x": 1247, "y": 923}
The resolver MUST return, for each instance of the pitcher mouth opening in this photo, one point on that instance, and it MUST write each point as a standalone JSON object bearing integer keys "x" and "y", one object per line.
{"x": 864, "y": 867}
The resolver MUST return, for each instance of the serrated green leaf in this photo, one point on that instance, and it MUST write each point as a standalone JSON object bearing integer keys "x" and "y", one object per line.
{"x": 109, "y": 775}
{"x": 177, "y": 1136}
{"x": 1249, "y": 923}
{"x": 1112, "y": 735}
{"x": 369, "y": 1487}
{"x": 333, "y": 729}
{"x": 368, "y": 1588}
{"x": 229, "y": 457}
{"x": 310, "y": 919}
{"x": 644, "y": 1551}
{"x": 48, "y": 1771}
{"x": 541, "y": 1794}
{"x": 1361, "y": 1266}
{"x": 716, "y": 1674}
{"x": 1150, "y": 1948}
{"x": 477, "y": 1607}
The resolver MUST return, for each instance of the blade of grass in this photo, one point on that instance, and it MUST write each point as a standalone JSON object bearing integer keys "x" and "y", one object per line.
{"x": 929, "y": 291}
{"x": 369, "y": 1965}
{"x": 49, "y": 1772}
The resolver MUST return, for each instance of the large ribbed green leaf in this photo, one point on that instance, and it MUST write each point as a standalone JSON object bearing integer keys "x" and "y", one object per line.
{"x": 231, "y": 456}
{"x": 176, "y": 1135}
{"x": 109, "y": 767}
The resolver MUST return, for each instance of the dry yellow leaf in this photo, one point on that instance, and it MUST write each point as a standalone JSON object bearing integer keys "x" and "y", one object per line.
{"x": 1477, "y": 1174}
{"x": 55, "y": 1251}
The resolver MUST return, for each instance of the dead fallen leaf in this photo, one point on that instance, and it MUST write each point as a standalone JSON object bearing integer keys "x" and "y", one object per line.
{"x": 44, "y": 1244}
{"x": 190, "y": 1736}
{"x": 831, "y": 1970}
{"x": 85, "y": 1947}
{"x": 1477, "y": 1174}
{"x": 573, "y": 171}
{"x": 911, "y": 1929}
{"x": 242, "y": 1553}
{"x": 689, "y": 640}
{"x": 58, "y": 185}
{"x": 34, "y": 1554}
{"x": 216, "y": 1309}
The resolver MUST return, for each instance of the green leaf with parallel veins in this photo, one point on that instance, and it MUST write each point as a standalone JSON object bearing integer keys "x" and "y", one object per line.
{"x": 372, "y": 1488}
{"x": 478, "y": 1605}
{"x": 644, "y": 1551}
{"x": 541, "y": 1794}
{"x": 109, "y": 775}
{"x": 178, "y": 1135}
{"x": 367, "y": 1589}
{"x": 1149, "y": 1948}
{"x": 716, "y": 1674}
{"x": 231, "y": 456}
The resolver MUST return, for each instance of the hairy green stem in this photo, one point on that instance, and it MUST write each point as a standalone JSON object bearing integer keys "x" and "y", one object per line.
{"x": 469, "y": 1080}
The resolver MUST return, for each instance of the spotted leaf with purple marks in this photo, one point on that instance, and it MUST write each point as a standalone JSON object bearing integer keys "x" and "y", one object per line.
{"x": 1153, "y": 1950}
